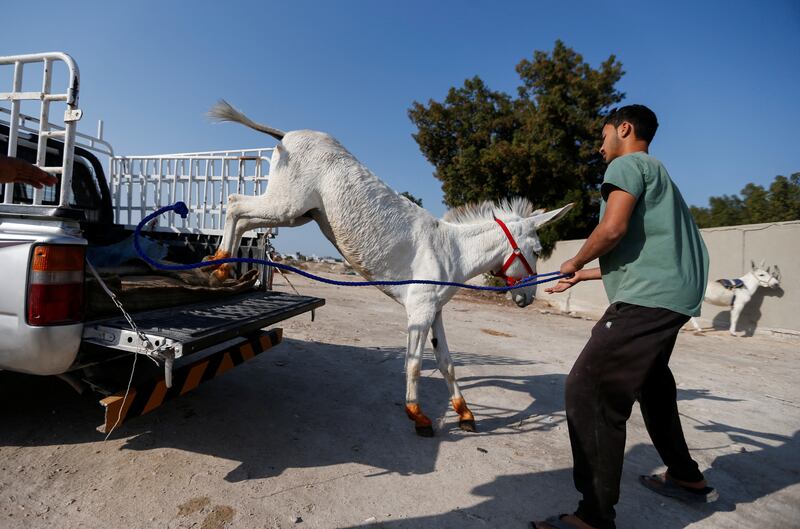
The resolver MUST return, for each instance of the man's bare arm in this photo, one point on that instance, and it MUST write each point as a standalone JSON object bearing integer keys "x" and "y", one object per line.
{"x": 607, "y": 234}
{"x": 20, "y": 171}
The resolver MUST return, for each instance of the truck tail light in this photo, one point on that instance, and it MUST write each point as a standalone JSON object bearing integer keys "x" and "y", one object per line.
{"x": 55, "y": 285}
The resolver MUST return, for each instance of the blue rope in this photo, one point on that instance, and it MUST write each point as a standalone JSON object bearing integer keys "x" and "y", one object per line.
{"x": 181, "y": 209}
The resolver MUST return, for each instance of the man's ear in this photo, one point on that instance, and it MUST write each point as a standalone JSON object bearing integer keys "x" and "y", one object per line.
{"x": 541, "y": 219}
{"x": 624, "y": 130}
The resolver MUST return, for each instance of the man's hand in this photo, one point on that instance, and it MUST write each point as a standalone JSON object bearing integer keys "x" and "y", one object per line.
{"x": 563, "y": 284}
{"x": 570, "y": 266}
{"x": 568, "y": 282}
{"x": 15, "y": 170}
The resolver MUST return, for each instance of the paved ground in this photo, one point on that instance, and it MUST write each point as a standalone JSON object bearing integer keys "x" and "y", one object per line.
{"x": 313, "y": 433}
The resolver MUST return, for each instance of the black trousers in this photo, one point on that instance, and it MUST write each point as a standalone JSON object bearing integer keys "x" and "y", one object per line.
{"x": 625, "y": 360}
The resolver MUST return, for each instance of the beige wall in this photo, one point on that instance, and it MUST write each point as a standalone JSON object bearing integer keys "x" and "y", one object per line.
{"x": 731, "y": 249}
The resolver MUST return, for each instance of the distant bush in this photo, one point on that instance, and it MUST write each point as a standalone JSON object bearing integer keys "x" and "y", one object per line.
{"x": 779, "y": 203}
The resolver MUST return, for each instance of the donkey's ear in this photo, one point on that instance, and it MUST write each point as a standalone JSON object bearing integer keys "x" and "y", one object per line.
{"x": 752, "y": 265}
{"x": 551, "y": 216}
{"x": 762, "y": 264}
{"x": 283, "y": 154}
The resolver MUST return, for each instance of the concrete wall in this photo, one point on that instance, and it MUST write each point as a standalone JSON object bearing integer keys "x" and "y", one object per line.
{"x": 730, "y": 249}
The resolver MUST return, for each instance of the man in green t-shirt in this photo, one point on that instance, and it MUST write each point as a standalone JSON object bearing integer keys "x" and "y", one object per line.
{"x": 654, "y": 267}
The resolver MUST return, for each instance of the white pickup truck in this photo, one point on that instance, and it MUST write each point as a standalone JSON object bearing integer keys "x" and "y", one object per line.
{"x": 52, "y": 315}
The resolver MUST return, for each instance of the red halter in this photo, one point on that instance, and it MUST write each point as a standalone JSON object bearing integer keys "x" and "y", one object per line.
{"x": 516, "y": 254}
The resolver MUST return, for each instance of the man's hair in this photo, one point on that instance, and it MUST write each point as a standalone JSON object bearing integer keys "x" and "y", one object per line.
{"x": 643, "y": 119}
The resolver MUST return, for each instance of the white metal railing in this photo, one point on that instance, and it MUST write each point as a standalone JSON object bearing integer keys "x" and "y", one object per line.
{"x": 138, "y": 184}
{"x": 30, "y": 125}
{"x": 203, "y": 180}
{"x": 45, "y": 131}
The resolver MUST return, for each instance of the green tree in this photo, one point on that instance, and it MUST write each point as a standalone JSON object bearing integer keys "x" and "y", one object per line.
{"x": 779, "y": 203}
{"x": 785, "y": 197}
{"x": 542, "y": 144}
{"x": 412, "y": 198}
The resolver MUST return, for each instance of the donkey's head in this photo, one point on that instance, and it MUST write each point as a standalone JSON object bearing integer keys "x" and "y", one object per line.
{"x": 520, "y": 247}
{"x": 530, "y": 247}
{"x": 766, "y": 277}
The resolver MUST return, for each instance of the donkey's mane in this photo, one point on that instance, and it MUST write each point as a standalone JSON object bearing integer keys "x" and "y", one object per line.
{"x": 487, "y": 210}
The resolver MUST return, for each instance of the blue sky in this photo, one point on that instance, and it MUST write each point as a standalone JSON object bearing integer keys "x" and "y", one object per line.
{"x": 723, "y": 77}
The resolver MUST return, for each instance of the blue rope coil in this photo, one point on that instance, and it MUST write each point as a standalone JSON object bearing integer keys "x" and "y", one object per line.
{"x": 181, "y": 209}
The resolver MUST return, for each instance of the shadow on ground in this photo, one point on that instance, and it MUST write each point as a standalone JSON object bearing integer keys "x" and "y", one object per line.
{"x": 514, "y": 500}
{"x": 302, "y": 405}
{"x": 310, "y": 405}
{"x": 751, "y": 314}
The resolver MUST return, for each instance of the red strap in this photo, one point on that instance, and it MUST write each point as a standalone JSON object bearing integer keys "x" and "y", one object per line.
{"x": 508, "y": 233}
{"x": 516, "y": 254}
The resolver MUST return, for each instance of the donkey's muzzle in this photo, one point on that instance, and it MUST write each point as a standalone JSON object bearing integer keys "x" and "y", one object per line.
{"x": 522, "y": 300}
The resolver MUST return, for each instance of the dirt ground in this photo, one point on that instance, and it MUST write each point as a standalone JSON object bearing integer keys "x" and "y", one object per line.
{"x": 312, "y": 434}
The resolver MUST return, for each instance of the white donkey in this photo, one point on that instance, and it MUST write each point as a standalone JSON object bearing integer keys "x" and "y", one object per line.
{"x": 737, "y": 292}
{"x": 385, "y": 236}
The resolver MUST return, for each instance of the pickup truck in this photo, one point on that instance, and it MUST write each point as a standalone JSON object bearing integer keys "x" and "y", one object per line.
{"x": 74, "y": 300}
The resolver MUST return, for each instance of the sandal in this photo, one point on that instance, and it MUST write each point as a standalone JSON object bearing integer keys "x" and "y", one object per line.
{"x": 667, "y": 487}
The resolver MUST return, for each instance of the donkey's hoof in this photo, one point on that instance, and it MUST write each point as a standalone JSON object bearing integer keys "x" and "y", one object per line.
{"x": 468, "y": 425}
{"x": 215, "y": 280}
{"x": 424, "y": 431}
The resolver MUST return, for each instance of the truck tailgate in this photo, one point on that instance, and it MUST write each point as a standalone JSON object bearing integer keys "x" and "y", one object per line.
{"x": 190, "y": 328}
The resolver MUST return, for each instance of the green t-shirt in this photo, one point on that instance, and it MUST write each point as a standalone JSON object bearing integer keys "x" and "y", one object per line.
{"x": 662, "y": 260}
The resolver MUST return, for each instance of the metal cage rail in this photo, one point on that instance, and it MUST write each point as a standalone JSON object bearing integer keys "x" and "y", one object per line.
{"x": 203, "y": 180}
{"x": 45, "y": 130}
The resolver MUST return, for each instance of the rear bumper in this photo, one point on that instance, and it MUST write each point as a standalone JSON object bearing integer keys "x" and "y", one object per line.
{"x": 38, "y": 350}
{"x": 147, "y": 395}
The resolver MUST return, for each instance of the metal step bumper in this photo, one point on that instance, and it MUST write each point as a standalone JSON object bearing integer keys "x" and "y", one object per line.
{"x": 148, "y": 394}
{"x": 190, "y": 328}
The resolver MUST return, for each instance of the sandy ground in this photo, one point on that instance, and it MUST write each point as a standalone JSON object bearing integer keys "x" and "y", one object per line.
{"x": 312, "y": 434}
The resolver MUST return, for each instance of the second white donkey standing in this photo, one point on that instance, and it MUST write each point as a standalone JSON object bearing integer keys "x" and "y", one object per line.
{"x": 385, "y": 236}
{"x": 736, "y": 297}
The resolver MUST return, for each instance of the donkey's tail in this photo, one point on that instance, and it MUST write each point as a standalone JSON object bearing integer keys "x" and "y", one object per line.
{"x": 223, "y": 111}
